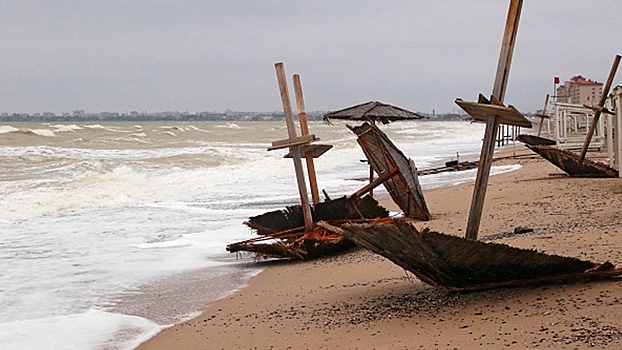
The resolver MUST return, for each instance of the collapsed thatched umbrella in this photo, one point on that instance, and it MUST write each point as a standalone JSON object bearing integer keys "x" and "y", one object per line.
{"x": 457, "y": 264}
{"x": 383, "y": 156}
{"x": 373, "y": 111}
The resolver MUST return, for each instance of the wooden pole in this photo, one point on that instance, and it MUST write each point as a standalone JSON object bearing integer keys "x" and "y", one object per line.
{"x": 291, "y": 131}
{"x": 546, "y": 102}
{"x": 375, "y": 183}
{"x": 304, "y": 127}
{"x": 498, "y": 93}
{"x": 371, "y": 179}
{"x": 603, "y": 99}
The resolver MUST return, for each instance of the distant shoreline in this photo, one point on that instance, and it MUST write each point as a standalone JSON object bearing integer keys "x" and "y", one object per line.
{"x": 250, "y": 117}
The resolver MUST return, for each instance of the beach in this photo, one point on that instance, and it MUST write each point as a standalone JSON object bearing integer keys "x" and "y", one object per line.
{"x": 359, "y": 300}
{"x": 119, "y": 229}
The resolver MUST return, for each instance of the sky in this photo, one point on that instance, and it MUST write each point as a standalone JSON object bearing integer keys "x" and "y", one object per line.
{"x": 191, "y": 55}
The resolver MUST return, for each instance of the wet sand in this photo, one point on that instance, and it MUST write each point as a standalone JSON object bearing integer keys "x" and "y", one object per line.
{"x": 359, "y": 300}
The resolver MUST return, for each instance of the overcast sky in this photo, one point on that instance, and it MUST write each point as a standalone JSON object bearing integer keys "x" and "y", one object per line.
{"x": 59, "y": 56}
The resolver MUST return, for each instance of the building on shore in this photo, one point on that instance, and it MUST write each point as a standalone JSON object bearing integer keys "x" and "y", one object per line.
{"x": 579, "y": 90}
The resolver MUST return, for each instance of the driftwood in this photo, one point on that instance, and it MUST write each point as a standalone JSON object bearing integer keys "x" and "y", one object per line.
{"x": 283, "y": 234}
{"x": 383, "y": 156}
{"x": 449, "y": 166}
{"x": 295, "y": 244}
{"x": 456, "y": 264}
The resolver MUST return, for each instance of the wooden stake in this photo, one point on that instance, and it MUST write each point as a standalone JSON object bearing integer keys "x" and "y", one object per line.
{"x": 302, "y": 117}
{"x": 546, "y": 102}
{"x": 603, "y": 99}
{"x": 375, "y": 183}
{"x": 291, "y": 131}
{"x": 371, "y": 179}
{"x": 498, "y": 93}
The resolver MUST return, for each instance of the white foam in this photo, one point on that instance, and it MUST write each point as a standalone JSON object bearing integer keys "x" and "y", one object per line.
{"x": 105, "y": 216}
{"x": 40, "y": 132}
{"x": 92, "y": 329}
{"x": 94, "y": 188}
{"x": 5, "y": 129}
{"x": 66, "y": 128}
{"x": 229, "y": 126}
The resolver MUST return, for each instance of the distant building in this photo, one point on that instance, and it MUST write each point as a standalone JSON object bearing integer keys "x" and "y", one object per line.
{"x": 579, "y": 90}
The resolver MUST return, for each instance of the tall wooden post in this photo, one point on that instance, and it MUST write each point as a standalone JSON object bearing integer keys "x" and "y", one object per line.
{"x": 304, "y": 127}
{"x": 546, "y": 103}
{"x": 498, "y": 93}
{"x": 295, "y": 150}
{"x": 603, "y": 99}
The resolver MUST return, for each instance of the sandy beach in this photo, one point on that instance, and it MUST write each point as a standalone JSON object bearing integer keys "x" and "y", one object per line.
{"x": 359, "y": 300}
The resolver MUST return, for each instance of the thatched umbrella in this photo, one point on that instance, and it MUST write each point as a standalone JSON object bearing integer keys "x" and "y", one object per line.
{"x": 373, "y": 111}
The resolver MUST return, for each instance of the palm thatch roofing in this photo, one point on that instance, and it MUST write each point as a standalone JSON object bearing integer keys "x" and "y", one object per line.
{"x": 373, "y": 111}
{"x": 572, "y": 164}
{"x": 458, "y": 264}
{"x": 282, "y": 232}
{"x": 383, "y": 156}
{"x": 534, "y": 140}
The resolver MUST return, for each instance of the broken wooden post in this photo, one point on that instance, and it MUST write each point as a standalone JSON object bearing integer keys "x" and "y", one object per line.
{"x": 302, "y": 118}
{"x": 603, "y": 98}
{"x": 375, "y": 183}
{"x": 492, "y": 124}
{"x": 294, "y": 146}
{"x": 543, "y": 115}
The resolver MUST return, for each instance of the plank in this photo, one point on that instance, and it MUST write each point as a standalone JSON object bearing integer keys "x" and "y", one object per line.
{"x": 482, "y": 112}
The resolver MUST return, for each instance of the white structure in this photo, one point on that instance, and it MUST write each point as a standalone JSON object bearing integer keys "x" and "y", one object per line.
{"x": 614, "y": 141}
{"x": 571, "y": 122}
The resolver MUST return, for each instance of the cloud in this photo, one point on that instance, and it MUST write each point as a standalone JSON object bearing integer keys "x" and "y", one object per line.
{"x": 214, "y": 55}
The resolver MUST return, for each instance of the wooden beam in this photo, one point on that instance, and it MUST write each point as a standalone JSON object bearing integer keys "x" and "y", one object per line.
{"x": 292, "y": 142}
{"x": 375, "y": 183}
{"x": 498, "y": 93}
{"x": 302, "y": 118}
{"x": 482, "y": 112}
{"x": 603, "y": 99}
{"x": 546, "y": 103}
{"x": 291, "y": 131}
{"x": 507, "y": 49}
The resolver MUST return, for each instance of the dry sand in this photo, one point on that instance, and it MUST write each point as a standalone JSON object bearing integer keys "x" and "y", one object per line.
{"x": 359, "y": 300}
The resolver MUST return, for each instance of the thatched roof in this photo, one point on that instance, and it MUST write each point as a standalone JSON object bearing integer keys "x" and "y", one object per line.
{"x": 337, "y": 209}
{"x": 457, "y": 264}
{"x": 383, "y": 156}
{"x": 572, "y": 164}
{"x": 374, "y": 111}
{"x": 283, "y": 233}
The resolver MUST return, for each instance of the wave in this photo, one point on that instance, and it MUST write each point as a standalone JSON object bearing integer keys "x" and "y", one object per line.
{"x": 66, "y": 128}
{"x": 7, "y": 129}
{"x": 101, "y": 127}
{"x": 92, "y": 187}
{"x": 229, "y": 126}
{"x": 87, "y": 330}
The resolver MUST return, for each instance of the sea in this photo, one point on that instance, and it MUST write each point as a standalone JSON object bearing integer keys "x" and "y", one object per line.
{"x": 113, "y": 231}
